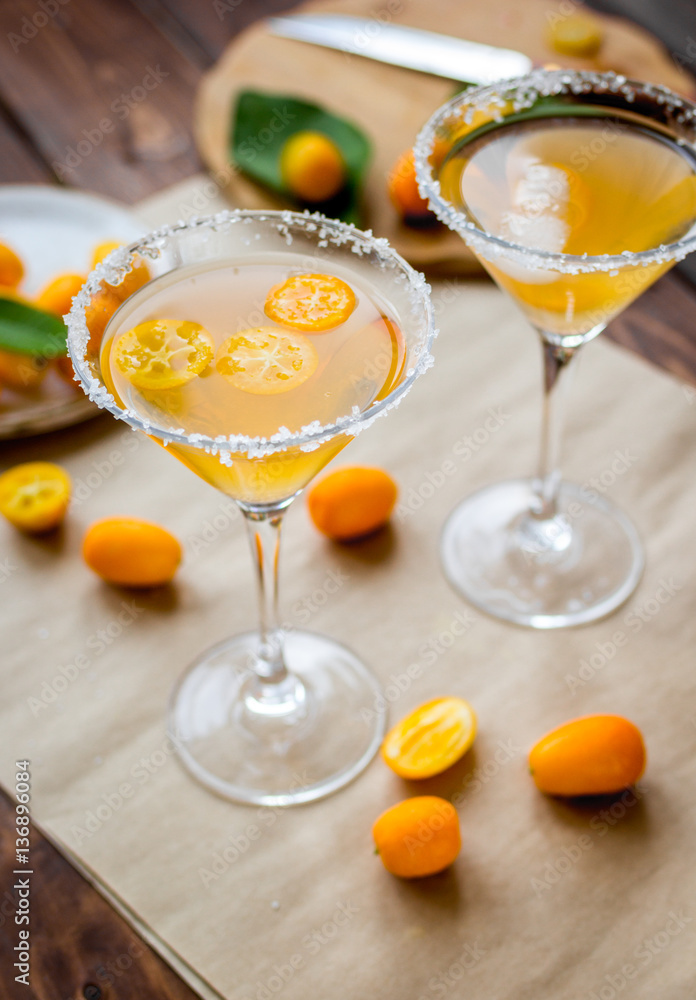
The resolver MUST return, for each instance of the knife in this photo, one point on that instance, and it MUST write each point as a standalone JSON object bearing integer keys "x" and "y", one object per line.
{"x": 425, "y": 51}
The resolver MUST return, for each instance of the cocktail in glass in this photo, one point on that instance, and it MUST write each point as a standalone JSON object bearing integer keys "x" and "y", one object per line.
{"x": 263, "y": 343}
{"x": 576, "y": 191}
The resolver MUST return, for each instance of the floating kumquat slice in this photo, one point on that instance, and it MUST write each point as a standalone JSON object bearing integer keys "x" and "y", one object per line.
{"x": 266, "y": 361}
{"x": 34, "y": 496}
{"x": 431, "y": 738}
{"x": 164, "y": 353}
{"x": 311, "y": 302}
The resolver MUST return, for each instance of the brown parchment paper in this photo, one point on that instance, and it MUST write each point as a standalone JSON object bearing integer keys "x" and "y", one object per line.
{"x": 548, "y": 900}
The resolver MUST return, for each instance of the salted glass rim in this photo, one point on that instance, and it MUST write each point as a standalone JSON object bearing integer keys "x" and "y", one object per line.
{"x": 324, "y": 232}
{"x": 524, "y": 91}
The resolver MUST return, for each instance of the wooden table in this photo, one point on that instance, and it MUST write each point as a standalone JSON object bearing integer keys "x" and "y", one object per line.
{"x": 65, "y": 67}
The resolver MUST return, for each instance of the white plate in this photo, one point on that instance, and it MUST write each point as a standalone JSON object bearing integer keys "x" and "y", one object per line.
{"x": 54, "y": 231}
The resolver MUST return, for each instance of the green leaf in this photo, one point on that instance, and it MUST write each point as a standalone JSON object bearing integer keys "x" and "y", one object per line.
{"x": 26, "y": 330}
{"x": 261, "y": 125}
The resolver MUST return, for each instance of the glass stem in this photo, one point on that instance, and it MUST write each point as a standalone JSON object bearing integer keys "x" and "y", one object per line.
{"x": 263, "y": 529}
{"x": 557, "y": 361}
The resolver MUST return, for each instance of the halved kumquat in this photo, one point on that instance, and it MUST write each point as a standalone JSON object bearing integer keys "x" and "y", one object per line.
{"x": 34, "y": 496}
{"x": 431, "y": 738}
{"x": 312, "y": 303}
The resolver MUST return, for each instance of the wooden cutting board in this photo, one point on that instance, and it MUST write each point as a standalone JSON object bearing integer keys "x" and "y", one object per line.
{"x": 391, "y": 104}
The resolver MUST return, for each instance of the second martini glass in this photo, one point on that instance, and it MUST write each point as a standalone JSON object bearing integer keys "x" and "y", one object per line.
{"x": 576, "y": 191}
{"x": 209, "y": 359}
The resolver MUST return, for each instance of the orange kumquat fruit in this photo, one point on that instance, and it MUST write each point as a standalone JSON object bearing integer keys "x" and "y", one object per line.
{"x": 352, "y": 502}
{"x": 418, "y": 837}
{"x": 431, "y": 738}
{"x": 131, "y": 552}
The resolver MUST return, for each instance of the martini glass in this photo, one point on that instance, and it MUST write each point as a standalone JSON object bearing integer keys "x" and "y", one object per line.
{"x": 271, "y": 717}
{"x": 575, "y": 190}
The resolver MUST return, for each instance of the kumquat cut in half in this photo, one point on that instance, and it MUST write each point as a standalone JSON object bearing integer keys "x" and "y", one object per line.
{"x": 266, "y": 361}
{"x": 418, "y": 837}
{"x": 313, "y": 303}
{"x": 431, "y": 739}
{"x": 164, "y": 353}
{"x": 34, "y": 496}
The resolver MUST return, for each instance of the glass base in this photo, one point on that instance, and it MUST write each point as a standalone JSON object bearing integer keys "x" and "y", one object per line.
{"x": 283, "y": 744}
{"x": 575, "y": 568}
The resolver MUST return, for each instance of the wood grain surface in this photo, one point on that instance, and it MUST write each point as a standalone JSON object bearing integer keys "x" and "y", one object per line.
{"x": 80, "y": 947}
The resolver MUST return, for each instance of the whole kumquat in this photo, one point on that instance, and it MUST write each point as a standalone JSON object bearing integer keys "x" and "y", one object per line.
{"x": 418, "y": 837}
{"x": 592, "y": 755}
{"x": 312, "y": 166}
{"x": 431, "y": 738}
{"x": 576, "y": 35}
{"x": 138, "y": 276}
{"x": 131, "y": 552}
{"x": 98, "y": 313}
{"x": 403, "y": 191}
{"x": 56, "y": 297}
{"x": 352, "y": 502}
{"x": 34, "y": 496}
{"x": 22, "y": 371}
{"x": 11, "y": 267}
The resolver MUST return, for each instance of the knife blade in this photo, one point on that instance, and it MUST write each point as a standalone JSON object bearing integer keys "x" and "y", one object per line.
{"x": 411, "y": 48}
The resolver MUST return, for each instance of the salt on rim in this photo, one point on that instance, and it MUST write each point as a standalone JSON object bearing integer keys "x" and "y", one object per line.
{"x": 523, "y": 92}
{"x": 323, "y": 231}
